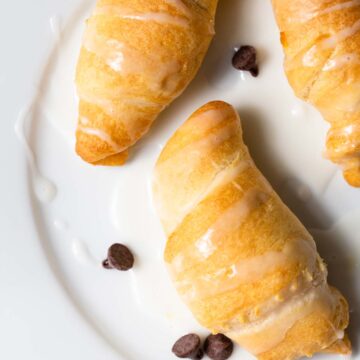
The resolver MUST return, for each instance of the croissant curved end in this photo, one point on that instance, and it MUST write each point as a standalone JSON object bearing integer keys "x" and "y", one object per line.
{"x": 241, "y": 261}
{"x": 136, "y": 58}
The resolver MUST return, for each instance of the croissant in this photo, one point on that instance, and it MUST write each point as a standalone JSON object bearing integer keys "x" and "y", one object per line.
{"x": 137, "y": 56}
{"x": 321, "y": 40}
{"x": 241, "y": 261}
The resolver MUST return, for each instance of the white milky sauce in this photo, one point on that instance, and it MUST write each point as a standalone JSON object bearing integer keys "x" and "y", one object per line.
{"x": 44, "y": 189}
{"x": 82, "y": 253}
{"x": 55, "y": 27}
{"x": 60, "y": 225}
{"x": 102, "y": 135}
{"x": 79, "y": 249}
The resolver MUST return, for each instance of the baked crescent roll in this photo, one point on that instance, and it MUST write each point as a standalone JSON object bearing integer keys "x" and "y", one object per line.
{"x": 137, "y": 56}
{"x": 239, "y": 258}
{"x": 321, "y": 40}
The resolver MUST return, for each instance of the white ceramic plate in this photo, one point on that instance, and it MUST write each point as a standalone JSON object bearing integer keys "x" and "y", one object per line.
{"x": 59, "y": 215}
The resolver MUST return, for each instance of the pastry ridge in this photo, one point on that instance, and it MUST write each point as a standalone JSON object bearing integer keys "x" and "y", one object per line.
{"x": 137, "y": 56}
{"x": 239, "y": 258}
{"x": 321, "y": 41}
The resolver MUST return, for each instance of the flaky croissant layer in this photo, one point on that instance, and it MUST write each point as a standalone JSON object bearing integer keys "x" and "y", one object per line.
{"x": 239, "y": 258}
{"x": 137, "y": 56}
{"x": 321, "y": 40}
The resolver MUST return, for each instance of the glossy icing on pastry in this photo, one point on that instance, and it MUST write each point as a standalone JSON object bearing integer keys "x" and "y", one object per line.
{"x": 322, "y": 61}
{"x": 239, "y": 258}
{"x": 137, "y": 56}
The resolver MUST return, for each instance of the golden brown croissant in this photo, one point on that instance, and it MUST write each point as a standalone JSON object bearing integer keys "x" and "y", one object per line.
{"x": 137, "y": 57}
{"x": 321, "y": 39}
{"x": 240, "y": 259}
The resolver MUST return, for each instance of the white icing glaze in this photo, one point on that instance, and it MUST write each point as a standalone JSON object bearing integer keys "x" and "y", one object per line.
{"x": 341, "y": 61}
{"x": 110, "y": 50}
{"x": 44, "y": 189}
{"x": 232, "y": 219}
{"x": 160, "y": 17}
{"x": 209, "y": 119}
{"x": 350, "y": 141}
{"x": 345, "y": 131}
{"x": 84, "y": 121}
{"x": 297, "y": 287}
{"x": 310, "y": 59}
{"x": 342, "y": 35}
{"x": 163, "y": 75}
{"x": 246, "y": 270}
{"x": 191, "y": 154}
{"x": 180, "y": 6}
{"x": 102, "y": 135}
{"x": 340, "y": 334}
{"x": 228, "y": 175}
{"x": 264, "y": 334}
{"x": 304, "y": 17}
{"x": 111, "y": 108}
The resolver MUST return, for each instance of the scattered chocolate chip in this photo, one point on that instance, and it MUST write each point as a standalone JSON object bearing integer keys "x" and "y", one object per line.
{"x": 106, "y": 264}
{"x": 199, "y": 355}
{"x": 188, "y": 346}
{"x": 245, "y": 59}
{"x": 218, "y": 347}
{"x": 119, "y": 257}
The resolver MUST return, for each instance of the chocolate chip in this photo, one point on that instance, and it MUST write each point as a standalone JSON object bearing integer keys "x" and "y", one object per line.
{"x": 188, "y": 346}
{"x": 119, "y": 257}
{"x": 199, "y": 355}
{"x": 245, "y": 59}
{"x": 106, "y": 264}
{"x": 218, "y": 347}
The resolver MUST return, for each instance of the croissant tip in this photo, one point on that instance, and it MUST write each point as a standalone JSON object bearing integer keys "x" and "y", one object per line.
{"x": 352, "y": 176}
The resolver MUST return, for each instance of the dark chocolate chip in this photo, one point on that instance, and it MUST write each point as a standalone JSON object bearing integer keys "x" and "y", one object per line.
{"x": 218, "y": 347}
{"x": 199, "y": 355}
{"x": 106, "y": 264}
{"x": 119, "y": 257}
{"x": 245, "y": 59}
{"x": 188, "y": 346}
